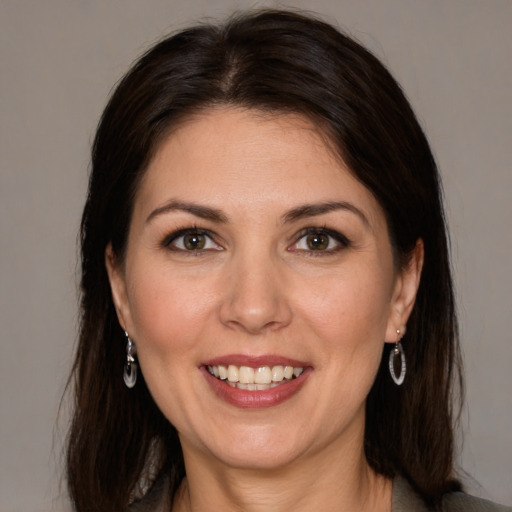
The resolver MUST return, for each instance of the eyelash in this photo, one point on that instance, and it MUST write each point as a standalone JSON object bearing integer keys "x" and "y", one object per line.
{"x": 341, "y": 241}
{"x": 171, "y": 239}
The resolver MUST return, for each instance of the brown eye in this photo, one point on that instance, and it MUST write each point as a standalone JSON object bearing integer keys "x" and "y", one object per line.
{"x": 194, "y": 241}
{"x": 191, "y": 240}
{"x": 317, "y": 242}
{"x": 320, "y": 241}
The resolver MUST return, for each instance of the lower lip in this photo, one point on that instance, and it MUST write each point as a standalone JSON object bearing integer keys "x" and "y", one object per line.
{"x": 246, "y": 399}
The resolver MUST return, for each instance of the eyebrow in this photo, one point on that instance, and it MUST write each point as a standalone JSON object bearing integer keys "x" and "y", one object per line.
{"x": 300, "y": 212}
{"x": 312, "y": 210}
{"x": 204, "y": 212}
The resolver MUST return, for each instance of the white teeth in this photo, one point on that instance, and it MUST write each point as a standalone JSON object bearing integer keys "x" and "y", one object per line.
{"x": 246, "y": 375}
{"x": 233, "y": 373}
{"x": 277, "y": 373}
{"x": 264, "y": 377}
{"x": 223, "y": 372}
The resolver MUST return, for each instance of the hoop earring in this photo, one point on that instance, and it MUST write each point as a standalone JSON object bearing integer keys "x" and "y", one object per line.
{"x": 394, "y": 354}
{"x": 130, "y": 367}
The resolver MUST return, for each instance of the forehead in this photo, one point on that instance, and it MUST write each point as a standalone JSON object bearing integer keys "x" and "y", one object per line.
{"x": 234, "y": 158}
{"x": 252, "y": 137}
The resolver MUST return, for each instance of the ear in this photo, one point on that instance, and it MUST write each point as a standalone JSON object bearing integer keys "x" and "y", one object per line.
{"x": 404, "y": 294}
{"x": 118, "y": 288}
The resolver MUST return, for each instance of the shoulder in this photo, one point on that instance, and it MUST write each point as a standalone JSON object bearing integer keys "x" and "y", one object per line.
{"x": 461, "y": 502}
{"x": 156, "y": 500}
{"x": 405, "y": 499}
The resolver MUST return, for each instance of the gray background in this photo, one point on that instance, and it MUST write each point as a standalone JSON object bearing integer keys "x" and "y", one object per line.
{"x": 58, "y": 62}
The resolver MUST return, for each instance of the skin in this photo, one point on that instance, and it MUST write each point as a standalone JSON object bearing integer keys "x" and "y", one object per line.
{"x": 258, "y": 289}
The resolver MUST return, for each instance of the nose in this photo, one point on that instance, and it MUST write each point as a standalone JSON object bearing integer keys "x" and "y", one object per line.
{"x": 255, "y": 296}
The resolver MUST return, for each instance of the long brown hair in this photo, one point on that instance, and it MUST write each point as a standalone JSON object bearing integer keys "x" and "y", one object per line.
{"x": 275, "y": 61}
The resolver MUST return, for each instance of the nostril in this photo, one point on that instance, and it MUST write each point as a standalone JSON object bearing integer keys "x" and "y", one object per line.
{"x": 253, "y": 325}
{"x": 255, "y": 297}
{"x": 271, "y": 314}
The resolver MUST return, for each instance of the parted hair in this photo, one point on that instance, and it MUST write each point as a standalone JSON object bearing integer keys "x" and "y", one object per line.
{"x": 275, "y": 62}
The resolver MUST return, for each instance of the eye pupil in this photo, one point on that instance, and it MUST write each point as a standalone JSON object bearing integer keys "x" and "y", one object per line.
{"x": 318, "y": 241}
{"x": 194, "y": 241}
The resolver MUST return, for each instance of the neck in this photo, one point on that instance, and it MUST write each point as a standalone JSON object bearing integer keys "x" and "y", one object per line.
{"x": 340, "y": 481}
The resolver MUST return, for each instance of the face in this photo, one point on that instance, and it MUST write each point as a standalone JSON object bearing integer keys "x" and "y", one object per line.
{"x": 259, "y": 287}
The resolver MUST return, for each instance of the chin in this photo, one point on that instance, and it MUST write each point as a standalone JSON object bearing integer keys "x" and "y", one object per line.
{"x": 256, "y": 459}
{"x": 255, "y": 448}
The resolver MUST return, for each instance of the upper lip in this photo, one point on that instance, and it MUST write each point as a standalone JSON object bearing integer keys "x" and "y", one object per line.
{"x": 255, "y": 361}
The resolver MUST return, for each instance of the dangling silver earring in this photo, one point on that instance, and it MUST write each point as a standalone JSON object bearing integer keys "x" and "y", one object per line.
{"x": 396, "y": 352}
{"x": 130, "y": 367}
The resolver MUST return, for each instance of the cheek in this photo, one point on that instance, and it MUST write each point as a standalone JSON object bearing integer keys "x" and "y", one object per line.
{"x": 349, "y": 317}
{"x": 170, "y": 316}
{"x": 350, "y": 305}
{"x": 168, "y": 313}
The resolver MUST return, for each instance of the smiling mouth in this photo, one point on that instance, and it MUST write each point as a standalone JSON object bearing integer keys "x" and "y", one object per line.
{"x": 255, "y": 379}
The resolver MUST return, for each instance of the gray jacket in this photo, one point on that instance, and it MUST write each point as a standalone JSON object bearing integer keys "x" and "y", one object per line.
{"x": 404, "y": 500}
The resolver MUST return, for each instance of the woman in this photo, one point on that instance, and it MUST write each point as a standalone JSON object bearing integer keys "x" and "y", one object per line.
{"x": 264, "y": 256}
